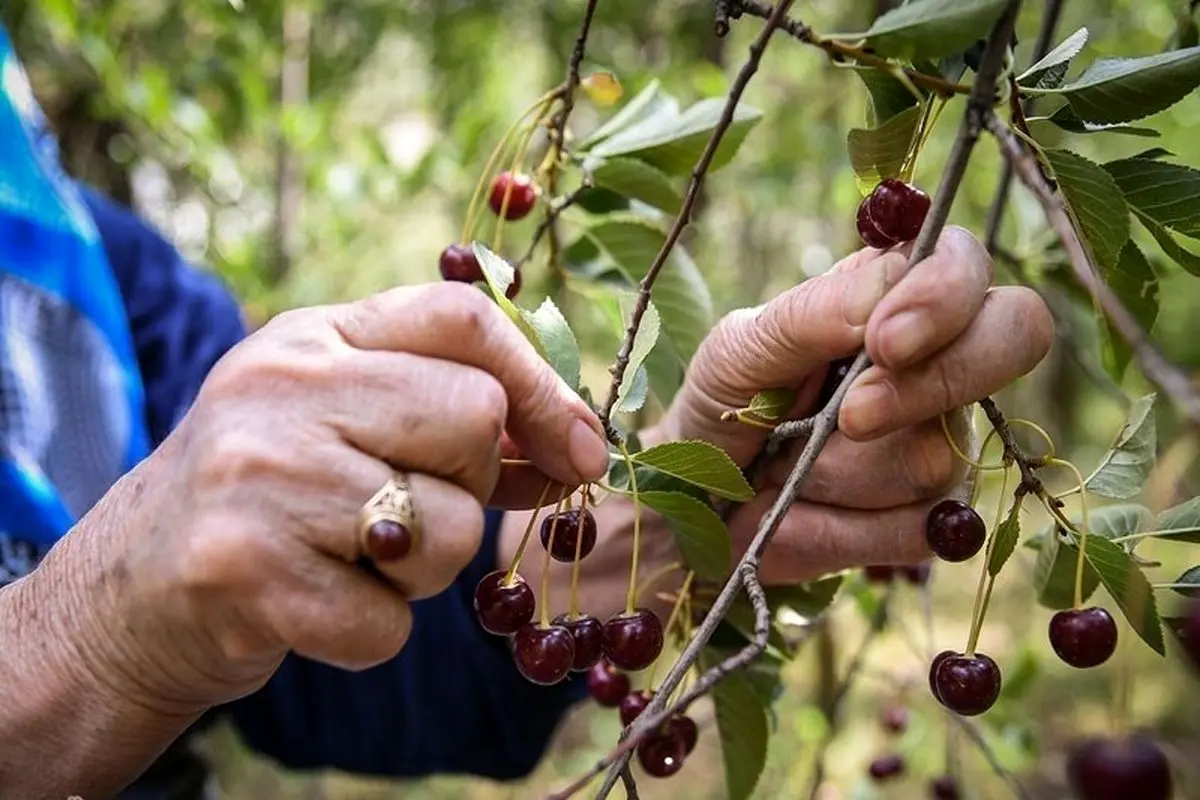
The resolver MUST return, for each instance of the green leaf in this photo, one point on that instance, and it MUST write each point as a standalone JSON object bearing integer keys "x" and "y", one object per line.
{"x": 807, "y": 599}
{"x": 1134, "y": 282}
{"x": 741, "y": 617}
{"x": 1115, "y": 521}
{"x": 1097, "y": 203}
{"x": 1048, "y": 73}
{"x": 686, "y": 308}
{"x": 1128, "y": 587}
{"x": 1166, "y": 240}
{"x": 665, "y": 368}
{"x": 637, "y": 179}
{"x": 498, "y": 274}
{"x": 1167, "y": 193}
{"x": 675, "y": 142}
{"x": 1126, "y": 89}
{"x": 698, "y": 530}
{"x": 878, "y": 153}
{"x": 1007, "y": 534}
{"x": 1054, "y": 573}
{"x": 889, "y": 96}
{"x": 771, "y": 405}
{"x": 558, "y": 342}
{"x": 744, "y": 733}
{"x": 1066, "y": 119}
{"x": 643, "y": 343}
{"x": 647, "y": 103}
{"x": 701, "y": 464}
{"x": 1128, "y": 462}
{"x": 1191, "y": 578}
{"x": 929, "y": 28}
{"x": 1180, "y": 523}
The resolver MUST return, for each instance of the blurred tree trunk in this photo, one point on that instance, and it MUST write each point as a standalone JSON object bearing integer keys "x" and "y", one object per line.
{"x": 289, "y": 167}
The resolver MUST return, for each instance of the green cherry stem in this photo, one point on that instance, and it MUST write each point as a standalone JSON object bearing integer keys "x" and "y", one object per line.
{"x": 966, "y": 458}
{"x": 1083, "y": 533}
{"x": 983, "y": 592}
{"x": 631, "y": 597}
{"x": 545, "y": 604}
{"x": 517, "y": 556}
{"x": 656, "y": 575}
{"x": 674, "y": 616}
{"x": 578, "y": 549}
{"x": 518, "y": 160}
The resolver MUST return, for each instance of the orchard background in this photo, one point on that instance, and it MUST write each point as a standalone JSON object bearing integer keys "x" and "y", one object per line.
{"x": 315, "y": 152}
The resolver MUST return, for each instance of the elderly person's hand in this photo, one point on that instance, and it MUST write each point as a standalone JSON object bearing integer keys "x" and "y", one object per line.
{"x": 941, "y": 339}
{"x": 236, "y": 541}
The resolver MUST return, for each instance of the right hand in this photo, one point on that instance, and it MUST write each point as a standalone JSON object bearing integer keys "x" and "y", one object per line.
{"x": 235, "y": 542}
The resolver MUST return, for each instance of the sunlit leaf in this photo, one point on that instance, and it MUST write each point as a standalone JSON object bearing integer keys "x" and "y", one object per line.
{"x": 1048, "y": 73}
{"x": 771, "y": 405}
{"x": 1180, "y": 523}
{"x": 1097, "y": 203}
{"x": 888, "y": 95}
{"x": 647, "y": 103}
{"x": 639, "y": 180}
{"x": 558, "y": 342}
{"x": 929, "y": 28}
{"x": 698, "y": 530}
{"x": 700, "y": 463}
{"x": 643, "y": 343}
{"x": 498, "y": 274}
{"x": 1127, "y": 464}
{"x": 878, "y": 153}
{"x": 1066, "y": 119}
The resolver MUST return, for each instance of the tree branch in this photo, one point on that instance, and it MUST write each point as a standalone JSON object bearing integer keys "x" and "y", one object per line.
{"x": 559, "y": 127}
{"x": 685, "y": 213}
{"x": 1169, "y": 378}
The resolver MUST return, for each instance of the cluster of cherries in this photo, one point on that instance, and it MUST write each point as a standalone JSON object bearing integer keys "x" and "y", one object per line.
{"x": 887, "y": 767}
{"x": 458, "y": 262}
{"x": 663, "y": 751}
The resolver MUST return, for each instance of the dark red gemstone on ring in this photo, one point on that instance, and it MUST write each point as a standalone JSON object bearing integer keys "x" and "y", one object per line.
{"x": 388, "y": 540}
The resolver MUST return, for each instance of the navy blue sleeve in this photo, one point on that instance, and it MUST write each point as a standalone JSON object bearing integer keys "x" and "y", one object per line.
{"x": 182, "y": 319}
{"x": 451, "y": 702}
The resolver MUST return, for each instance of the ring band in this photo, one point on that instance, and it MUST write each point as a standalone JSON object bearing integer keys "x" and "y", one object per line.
{"x": 387, "y": 524}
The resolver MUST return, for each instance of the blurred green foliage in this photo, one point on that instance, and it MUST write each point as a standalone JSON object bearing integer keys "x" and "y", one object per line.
{"x": 174, "y": 106}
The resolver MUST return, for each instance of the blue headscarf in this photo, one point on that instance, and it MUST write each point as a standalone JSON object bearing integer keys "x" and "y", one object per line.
{"x": 72, "y": 406}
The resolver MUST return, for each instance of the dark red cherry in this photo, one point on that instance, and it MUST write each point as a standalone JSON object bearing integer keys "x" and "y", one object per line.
{"x": 514, "y": 288}
{"x": 458, "y": 263}
{"x": 543, "y": 655}
{"x": 933, "y": 668}
{"x": 868, "y": 231}
{"x": 895, "y": 719}
{"x": 661, "y": 755}
{"x": 944, "y": 788}
{"x": 968, "y": 685}
{"x": 503, "y": 609}
{"x": 634, "y": 704}
{"x": 586, "y": 630}
{"x": 917, "y": 574}
{"x": 684, "y": 728}
{"x": 607, "y": 685}
{"x": 954, "y": 531}
{"x": 632, "y": 641}
{"x": 1132, "y": 768}
{"x": 879, "y": 573}
{"x": 898, "y": 209}
{"x": 1083, "y": 637}
{"x": 886, "y": 767}
{"x": 522, "y": 194}
{"x": 572, "y": 527}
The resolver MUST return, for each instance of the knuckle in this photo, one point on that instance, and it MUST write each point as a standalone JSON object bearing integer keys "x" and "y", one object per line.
{"x": 929, "y": 464}
{"x": 488, "y": 405}
{"x": 1037, "y": 324}
{"x": 467, "y": 314}
{"x": 951, "y": 382}
{"x": 232, "y": 457}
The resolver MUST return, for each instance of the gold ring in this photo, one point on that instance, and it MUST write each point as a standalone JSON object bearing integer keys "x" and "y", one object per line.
{"x": 387, "y": 524}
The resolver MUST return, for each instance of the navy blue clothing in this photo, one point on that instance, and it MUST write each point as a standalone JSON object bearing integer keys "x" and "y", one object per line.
{"x": 452, "y": 701}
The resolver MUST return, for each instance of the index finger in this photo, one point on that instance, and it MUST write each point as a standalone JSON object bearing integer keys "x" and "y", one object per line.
{"x": 548, "y": 421}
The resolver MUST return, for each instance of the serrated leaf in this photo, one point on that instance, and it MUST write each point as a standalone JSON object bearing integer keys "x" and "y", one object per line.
{"x": 1134, "y": 282}
{"x": 1115, "y": 521}
{"x": 1171, "y": 248}
{"x": 645, "y": 104}
{"x": 1189, "y": 579}
{"x": 878, "y": 153}
{"x": 675, "y": 142}
{"x": 744, "y": 733}
{"x": 498, "y": 274}
{"x": 1154, "y": 153}
{"x": 557, "y": 340}
{"x": 701, "y": 464}
{"x": 772, "y": 404}
{"x": 1054, "y": 573}
{"x": 1049, "y": 72}
{"x": 1066, "y": 119}
{"x": 637, "y": 179}
{"x": 1128, "y": 587}
{"x": 643, "y": 343}
{"x": 1096, "y": 200}
{"x": 1167, "y": 193}
{"x": 699, "y": 532}
{"x": 1007, "y": 534}
{"x": 888, "y": 96}
{"x": 1180, "y": 523}
{"x": 807, "y": 599}
{"x": 1127, "y": 89}
{"x": 1125, "y": 467}
{"x": 637, "y": 393}
{"x": 929, "y": 28}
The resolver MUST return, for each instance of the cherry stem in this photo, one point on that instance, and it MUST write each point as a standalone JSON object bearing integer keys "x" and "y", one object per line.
{"x": 1083, "y": 533}
{"x": 497, "y": 152}
{"x": 683, "y": 592}
{"x": 517, "y": 556}
{"x": 963, "y": 456}
{"x": 518, "y": 160}
{"x": 656, "y": 575}
{"x": 545, "y": 617}
{"x": 631, "y": 597}
{"x": 983, "y": 592}
{"x": 1050, "y": 452}
{"x": 578, "y": 549}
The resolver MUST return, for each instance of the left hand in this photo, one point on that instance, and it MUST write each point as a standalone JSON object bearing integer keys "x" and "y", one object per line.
{"x": 942, "y": 339}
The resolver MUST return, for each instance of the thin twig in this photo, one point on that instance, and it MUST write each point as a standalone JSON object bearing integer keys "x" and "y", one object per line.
{"x": 685, "y": 213}
{"x": 559, "y": 126}
{"x": 972, "y": 732}
{"x": 631, "y": 790}
{"x": 552, "y": 215}
{"x": 1168, "y": 377}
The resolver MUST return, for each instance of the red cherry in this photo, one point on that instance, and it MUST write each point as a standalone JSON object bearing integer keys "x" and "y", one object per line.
{"x": 968, "y": 685}
{"x": 684, "y": 728}
{"x": 1083, "y": 637}
{"x": 868, "y": 231}
{"x": 886, "y": 767}
{"x": 458, "y": 263}
{"x": 634, "y": 704}
{"x": 503, "y": 609}
{"x": 543, "y": 655}
{"x": 633, "y": 641}
{"x": 898, "y": 209}
{"x": 587, "y": 632}
{"x": 895, "y": 719}
{"x": 607, "y": 685}
{"x": 933, "y": 669}
{"x": 954, "y": 531}
{"x": 573, "y": 526}
{"x": 661, "y": 755}
{"x": 944, "y": 788}
{"x": 1132, "y": 768}
{"x": 522, "y": 194}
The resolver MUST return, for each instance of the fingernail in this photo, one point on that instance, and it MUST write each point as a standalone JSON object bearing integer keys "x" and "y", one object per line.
{"x": 588, "y": 451}
{"x": 866, "y": 408}
{"x": 868, "y": 288}
{"x": 903, "y": 337}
